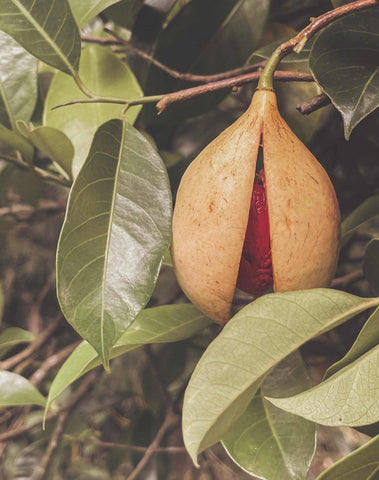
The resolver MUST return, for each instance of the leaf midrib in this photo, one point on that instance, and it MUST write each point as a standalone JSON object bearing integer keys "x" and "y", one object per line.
{"x": 352, "y": 312}
{"x": 46, "y": 37}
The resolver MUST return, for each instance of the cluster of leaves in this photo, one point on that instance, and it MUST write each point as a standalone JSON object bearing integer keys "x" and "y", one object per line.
{"x": 250, "y": 389}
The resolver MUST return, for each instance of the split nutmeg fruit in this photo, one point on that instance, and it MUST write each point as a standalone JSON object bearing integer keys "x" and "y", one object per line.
{"x": 235, "y": 227}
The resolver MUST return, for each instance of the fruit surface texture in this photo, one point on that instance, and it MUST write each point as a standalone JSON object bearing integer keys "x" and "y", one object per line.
{"x": 212, "y": 208}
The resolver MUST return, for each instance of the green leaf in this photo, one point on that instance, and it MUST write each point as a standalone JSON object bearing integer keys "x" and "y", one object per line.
{"x": 46, "y": 29}
{"x": 53, "y": 143}
{"x": 344, "y": 61}
{"x": 116, "y": 232}
{"x": 168, "y": 323}
{"x": 14, "y": 141}
{"x": 366, "y": 210}
{"x": 106, "y": 75}
{"x": 349, "y": 397}
{"x": 17, "y": 390}
{"x": 14, "y": 336}
{"x": 18, "y": 82}
{"x": 270, "y": 443}
{"x": 86, "y": 10}
{"x": 361, "y": 464}
{"x": 371, "y": 264}
{"x": 254, "y": 341}
{"x": 367, "y": 339}
{"x": 1, "y": 297}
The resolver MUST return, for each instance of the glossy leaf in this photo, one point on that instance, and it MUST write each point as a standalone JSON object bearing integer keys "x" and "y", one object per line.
{"x": 367, "y": 210}
{"x": 168, "y": 323}
{"x": 17, "y": 390}
{"x": 14, "y": 336}
{"x": 268, "y": 442}
{"x": 45, "y": 28}
{"x": 344, "y": 61}
{"x": 361, "y": 464}
{"x": 254, "y": 341}
{"x": 349, "y": 397}
{"x": 116, "y": 232}
{"x": 371, "y": 264}
{"x": 106, "y": 75}
{"x": 86, "y": 10}
{"x": 367, "y": 339}
{"x": 53, "y": 143}
{"x": 18, "y": 82}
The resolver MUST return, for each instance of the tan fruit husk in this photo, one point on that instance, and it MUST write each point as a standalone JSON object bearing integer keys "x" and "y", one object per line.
{"x": 212, "y": 208}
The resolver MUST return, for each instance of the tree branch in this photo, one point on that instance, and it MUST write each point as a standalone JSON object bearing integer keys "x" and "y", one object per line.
{"x": 170, "y": 420}
{"x": 189, "y": 93}
{"x": 313, "y": 104}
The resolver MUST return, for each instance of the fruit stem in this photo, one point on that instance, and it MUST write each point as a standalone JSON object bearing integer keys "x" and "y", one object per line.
{"x": 266, "y": 78}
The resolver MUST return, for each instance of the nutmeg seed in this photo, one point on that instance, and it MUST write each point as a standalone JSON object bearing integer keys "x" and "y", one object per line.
{"x": 213, "y": 202}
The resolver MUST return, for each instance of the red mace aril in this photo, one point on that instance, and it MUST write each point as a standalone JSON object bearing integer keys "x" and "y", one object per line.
{"x": 255, "y": 270}
{"x": 296, "y": 243}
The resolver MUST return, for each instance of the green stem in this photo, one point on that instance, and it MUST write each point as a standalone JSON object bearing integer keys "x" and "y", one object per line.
{"x": 267, "y": 76}
{"x": 120, "y": 101}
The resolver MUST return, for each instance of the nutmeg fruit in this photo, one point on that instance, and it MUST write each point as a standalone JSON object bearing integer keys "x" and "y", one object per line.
{"x": 213, "y": 209}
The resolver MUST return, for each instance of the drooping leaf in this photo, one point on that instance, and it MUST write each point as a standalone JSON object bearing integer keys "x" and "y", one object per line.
{"x": 53, "y": 143}
{"x": 254, "y": 341}
{"x": 367, "y": 339}
{"x": 86, "y": 10}
{"x": 18, "y": 82}
{"x": 116, "y": 232}
{"x": 106, "y": 75}
{"x": 344, "y": 61}
{"x": 168, "y": 323}
{"x": 14, "y": 336}
{"x": 268, "y": 442}
{"x": 371, "y": 264}
{"x": 46, "y": 29}
{"x": 361, "y": 464}
{"x": 349, "y": 397}
{"x": 17, "y": 390}
{"x": 368, "y": 209}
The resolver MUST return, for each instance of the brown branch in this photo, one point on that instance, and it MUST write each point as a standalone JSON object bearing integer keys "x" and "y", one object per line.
{"x": 51, "y": 362}
{"x": 170, "y": 420}
{"x": 189, "y": 77}
{"x": 24, "y": 212}
{"x": 313, "y": 104}
{"x": 74, "y": 400}
{"x": 43, "y": 469}
{"x": 19, "y": 357}
{"x": 135, "y": 448}
{"x": 189, "y": 93}
{"x": 345, "y": 280}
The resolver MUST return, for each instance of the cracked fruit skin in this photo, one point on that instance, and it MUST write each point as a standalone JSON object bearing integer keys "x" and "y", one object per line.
{"x": 213, "y": 203}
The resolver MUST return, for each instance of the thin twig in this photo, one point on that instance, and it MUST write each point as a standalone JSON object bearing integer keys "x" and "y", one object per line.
{"x": 349, "y": 278}
{"x": 19, "y": 357}
{"x": 51, "y": 362}
{"x": 43, "y": 469}
{"x": 189, "y": 93}
{"x": 313, "y": 104}
{"x": 23, "y": 212}
{"x": 74, "y": 400}
{"x": 170, "y": 420}
{"x": 189, "y": 77}
{"x": 135, "y": 448}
